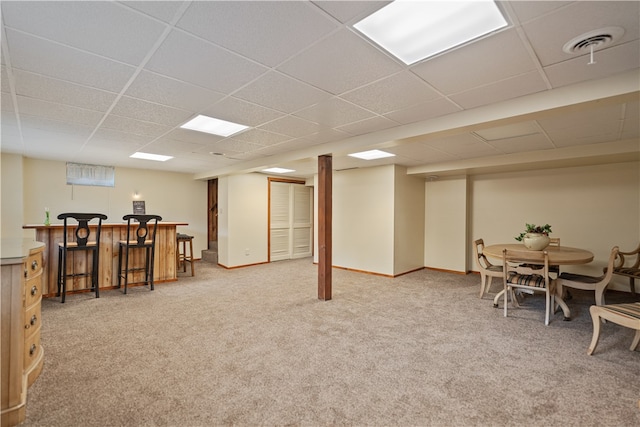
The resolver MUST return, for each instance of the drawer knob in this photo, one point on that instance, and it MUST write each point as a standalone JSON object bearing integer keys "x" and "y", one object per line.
{"x": 32, "y": 349}
{"x": 32, "y": 322}
{"x": 34, "y": 265}
{"x": 34, "y": 290}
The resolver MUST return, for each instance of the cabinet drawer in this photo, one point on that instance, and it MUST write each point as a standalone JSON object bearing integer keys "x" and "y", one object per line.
{"x": 32, "y": 349}
{"x": 33, "y": 266}
{"x": 33, "y": 291}
{"x": 31, "y": 320}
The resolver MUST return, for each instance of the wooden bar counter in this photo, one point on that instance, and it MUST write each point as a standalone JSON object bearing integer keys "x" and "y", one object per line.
{"x": 51, "y": 235}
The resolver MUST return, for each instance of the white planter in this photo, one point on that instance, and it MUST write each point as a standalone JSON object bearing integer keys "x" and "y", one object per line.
{"x": 535, "y": 241}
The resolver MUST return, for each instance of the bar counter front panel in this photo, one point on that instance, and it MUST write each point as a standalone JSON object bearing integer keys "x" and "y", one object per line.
{"x": 111, "y": 234}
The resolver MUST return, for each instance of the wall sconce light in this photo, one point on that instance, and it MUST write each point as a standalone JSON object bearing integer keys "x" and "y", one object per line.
{"x": 136, "y": 195}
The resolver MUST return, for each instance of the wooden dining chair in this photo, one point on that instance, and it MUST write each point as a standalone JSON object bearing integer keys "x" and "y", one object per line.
{"x": 627, "y": 315}
{"x": 487, "y": 270}
{"x": 589, "y": 283}
{"x": 520, "y": 272}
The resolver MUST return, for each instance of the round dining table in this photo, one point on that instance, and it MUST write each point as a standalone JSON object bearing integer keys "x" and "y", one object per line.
{"x": 558, "y": 255}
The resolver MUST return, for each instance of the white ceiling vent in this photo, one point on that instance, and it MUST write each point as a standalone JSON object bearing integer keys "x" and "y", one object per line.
{"x": 593, "y": 40}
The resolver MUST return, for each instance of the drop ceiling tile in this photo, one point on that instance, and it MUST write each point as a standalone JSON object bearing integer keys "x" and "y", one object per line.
{"x": 63, "y": 138}
{"x": 631, "y": 126}
{"x": 150, "y": 112}
{"x": 291, "y": 126}
{"x": 598, "y": 116}
{"x": 549, "y": 33}
{"x": 279, "y": 92}
{"x": 41, "y": 124}
{"x": 260, "y": 30}
{"x": 513, "y": 87}
{"x": 339, "y": 63}
{"x": 175, "y": 93}
{"x": 260, "y": 137}
{"x": 53, "y": 60}
{"x": 496, "y": 57}
{"x": 60, "y": 112}
{"x": 103, "y": 28}
{"x": 118, "y": 140}
{"x": 7, "y": 103}
{"x": 242, "y": 112}
{"x": 325, "y": 135}
{"x": 61, "y": 92}
{"x": 106, "y": 154}
{"x": 234, "y": 146}
{"x": 4, "y": 80}
{"x": 334, "y": 112}
{"x": 463, "y": 146}
{"x": 420, "y": 153}
{"x": 589, "y": 135}
{"x": 192, "y": 136}
{"x": 365, "y": 126}
{"x": 195, "y": 61}
{"x": 609, "y": 61}
{"x": 522, "y": 144}
{"x": 424, "y": 111}
{"x": 136, "y": 127}
{"x": 10, "y": 138}
{"x": 52, "y": 146}
{"x": 528, "y": 10}
{"x": 350, "y": 11}
{"x": 585, "y": 127}
{"x": 392, "y": 93}
{"x": 162, "y": 10}
{"x": 284, "y": 147}
{"x": 172, "y": 147}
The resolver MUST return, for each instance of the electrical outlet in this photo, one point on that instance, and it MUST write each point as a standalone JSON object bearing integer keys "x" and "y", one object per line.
{"x": 246, "y": 251}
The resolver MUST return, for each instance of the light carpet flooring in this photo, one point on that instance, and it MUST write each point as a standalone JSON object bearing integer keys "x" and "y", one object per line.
{"x": 254, "y": 346}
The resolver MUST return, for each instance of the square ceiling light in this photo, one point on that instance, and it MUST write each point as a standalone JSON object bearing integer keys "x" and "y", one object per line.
{"x": 213, "y": 126}
{"x": 149, "y": 156}
{"x": 414, "y": 30}
{"x": 278, "y": 170}
{"x": 372, "y": 155}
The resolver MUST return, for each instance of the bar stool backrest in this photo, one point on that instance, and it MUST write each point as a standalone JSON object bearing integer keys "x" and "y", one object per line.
{"x": 82, "y": 230}
{"x": 142, "y": 232}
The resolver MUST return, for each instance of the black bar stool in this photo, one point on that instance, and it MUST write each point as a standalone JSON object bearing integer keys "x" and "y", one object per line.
{"x": 182, "y": 258}
{"x": 141, "y": 234}
{"x": 81, "y": 242}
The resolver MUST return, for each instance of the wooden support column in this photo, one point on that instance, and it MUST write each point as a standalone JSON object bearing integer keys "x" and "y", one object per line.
{"x": 324, "y": 226}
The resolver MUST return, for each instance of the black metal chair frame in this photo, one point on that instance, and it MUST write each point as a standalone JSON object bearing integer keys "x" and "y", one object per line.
{"x": 82, "y": 243}
{"x": 145, "y": 225}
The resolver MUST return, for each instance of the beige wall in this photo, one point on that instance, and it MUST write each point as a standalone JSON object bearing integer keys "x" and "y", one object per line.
{"x": 243, "y": 219}
{"x": 408, "y": 220}
{"x": 174, "y": 196}
{"x": 363, "y": 204}
{"x": 11, "y": 216}
{"x": 446, "y": 212}
{"x": 590, "y": 207}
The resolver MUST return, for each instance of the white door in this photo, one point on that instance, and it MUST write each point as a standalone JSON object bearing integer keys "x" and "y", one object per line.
{"x": 291, "y": 214}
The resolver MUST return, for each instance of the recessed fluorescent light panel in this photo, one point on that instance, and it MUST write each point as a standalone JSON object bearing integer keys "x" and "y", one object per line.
{"x": 414, "y": 30}
{"x": 278, "y": 170}
{"x": 149, "y": 156}
{"x": 213, "y": 126}
{"x": 372, "y": 155}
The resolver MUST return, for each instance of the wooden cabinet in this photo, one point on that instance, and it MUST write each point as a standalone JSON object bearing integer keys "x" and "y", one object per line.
{"x": 22, "y": 355}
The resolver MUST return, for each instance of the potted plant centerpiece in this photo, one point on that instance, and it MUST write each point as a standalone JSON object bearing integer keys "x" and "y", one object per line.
{"x": 535, "y": 237}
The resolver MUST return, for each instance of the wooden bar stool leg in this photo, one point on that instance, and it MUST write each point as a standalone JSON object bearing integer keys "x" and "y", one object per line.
{"x": 191, "y": 256}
